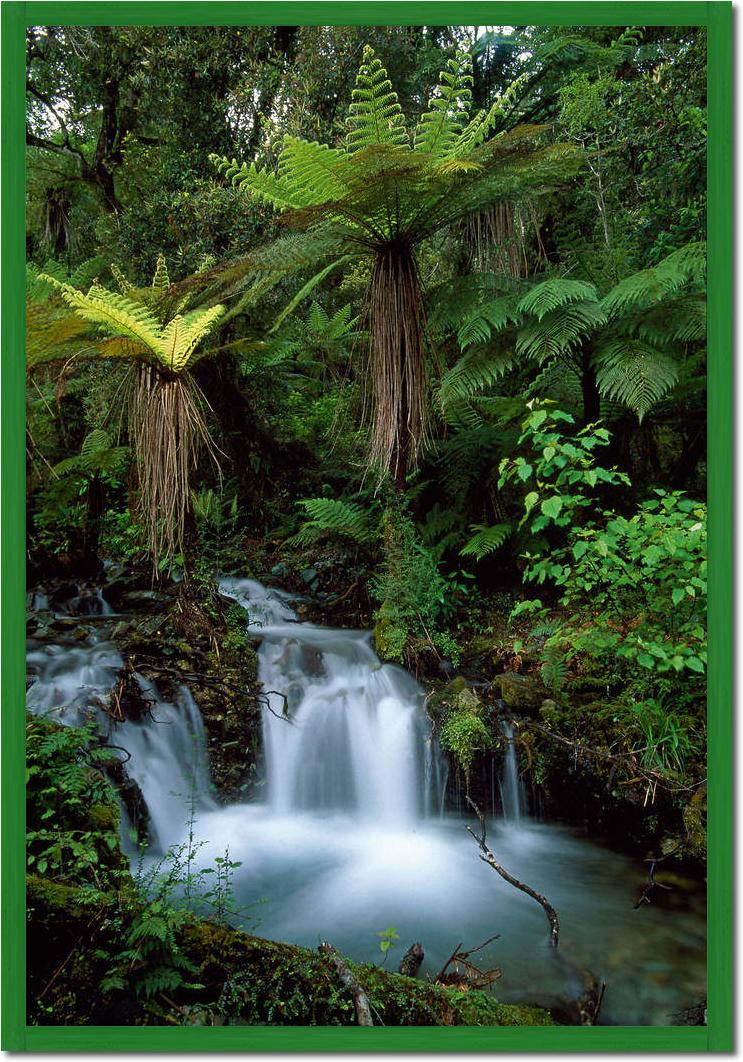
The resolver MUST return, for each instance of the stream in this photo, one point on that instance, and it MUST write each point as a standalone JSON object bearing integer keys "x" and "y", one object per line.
{"x": 350, "y": 835}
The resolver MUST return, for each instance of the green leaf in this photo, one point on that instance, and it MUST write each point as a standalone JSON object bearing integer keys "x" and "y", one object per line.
{"x": 678, "y": 595}
{"x": 552, "y": 506}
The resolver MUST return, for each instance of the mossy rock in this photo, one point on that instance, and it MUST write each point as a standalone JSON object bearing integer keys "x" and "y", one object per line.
{"x": 520, "y": 693}
{"x": 455, "y": 696}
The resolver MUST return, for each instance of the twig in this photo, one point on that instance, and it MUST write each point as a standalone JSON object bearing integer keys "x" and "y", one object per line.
{"x": 488, "y": 857}
{"x": 360, "y": 998}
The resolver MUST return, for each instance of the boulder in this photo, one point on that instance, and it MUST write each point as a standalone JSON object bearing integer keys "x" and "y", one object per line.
{"x": 520, "y": 693}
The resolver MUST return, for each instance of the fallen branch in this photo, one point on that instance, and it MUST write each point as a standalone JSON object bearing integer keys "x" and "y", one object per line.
{"x": 411, "y": 961}
{"x": 488, "y": 857}
{"x": 360, "y": 998}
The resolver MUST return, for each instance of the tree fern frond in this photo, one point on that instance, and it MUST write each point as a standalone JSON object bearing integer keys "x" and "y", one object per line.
{"x": 634, "y": 373}
{"x": 478, "y": 368}
{"x": 160, "y": 279}
{"x": 486, "y": 540}
{"x": 115, "y": 313}
{"x": 448, "y": 108}
{"x": 483, "y": 123}
{"x": 279, "y": 192}
{"x": 375, "y": 115}
{"x": 489, "y": 317}
{"x": 559, "y": 331}
{"x": 650, "y": 286}
{"x": 547, "y": 296}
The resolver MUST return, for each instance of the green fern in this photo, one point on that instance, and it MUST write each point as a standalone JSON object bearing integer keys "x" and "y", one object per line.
{"x": 333, "y": 516}
{"x": 121, "y": 316}
{"x": 559, "y": 331}
{"x": 375, "y": 115}
{"x": 635, "y": 373}
{"x": 477, "y": 369}
{"x": 547, "y": 296}
{"x": 441, "y": 126}
{"x": 486, "y": 540}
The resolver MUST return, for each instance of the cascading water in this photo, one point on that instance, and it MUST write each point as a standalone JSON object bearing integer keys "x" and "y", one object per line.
{"x": 343, "y": 732}
{"x": 348, "y": 836}
{"x": 511, "y": 788}
{"x": 167, "y": 758}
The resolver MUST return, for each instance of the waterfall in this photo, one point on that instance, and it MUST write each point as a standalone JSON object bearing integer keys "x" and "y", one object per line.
{"x": 511, "y": 788}
{"x": 70, "y": 684}
{"x": 349, "y": 836}
{"x": 343, "y": 732}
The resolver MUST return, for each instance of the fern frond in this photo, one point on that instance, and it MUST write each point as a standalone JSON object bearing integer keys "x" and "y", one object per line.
{"x": 483, "y": 123}
{"x": 634, "y": 373}
{"x": 333, "y": 516}
{"x": 547, "y": 296}
{"x": 448, "y": 111}
{"x": 490, "y": 317}
{"x": 478, "y": 368}
{"x": 486, "y": 540}
{"x": 375, "y": 115}
{"x": 279, "y": 192}
{"x": 650, "y": 286}
{"x": 160, "y": 279}
{"x": 116, "y": 313}
{"x": 559, "y": 331}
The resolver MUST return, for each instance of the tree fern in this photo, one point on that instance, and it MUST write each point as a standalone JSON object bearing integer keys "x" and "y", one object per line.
{"x": 378, "y": 197}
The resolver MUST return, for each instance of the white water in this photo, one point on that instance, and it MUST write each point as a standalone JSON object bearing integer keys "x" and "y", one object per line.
{"x": 72, "y": 684}
{"x": 349, "y": 838}
{"x": 344, "y": 732}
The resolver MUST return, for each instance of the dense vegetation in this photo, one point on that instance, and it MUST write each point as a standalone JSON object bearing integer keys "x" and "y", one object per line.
{"x": 411, "y": 319}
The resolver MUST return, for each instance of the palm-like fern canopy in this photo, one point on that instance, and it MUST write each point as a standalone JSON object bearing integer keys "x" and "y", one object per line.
{"x": 379, "y": 195}
{"x": 388, "y": 184}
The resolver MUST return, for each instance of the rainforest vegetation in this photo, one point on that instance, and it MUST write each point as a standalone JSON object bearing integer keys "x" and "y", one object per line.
{"x": 409, "y": 324}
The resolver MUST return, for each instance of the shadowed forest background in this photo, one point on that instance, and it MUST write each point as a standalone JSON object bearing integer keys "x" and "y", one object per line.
{"x": 408, "y": 324}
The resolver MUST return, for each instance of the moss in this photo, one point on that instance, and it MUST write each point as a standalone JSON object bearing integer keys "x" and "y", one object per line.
{"x": 520, "y": 693}
{"x": 104, "y": 817}
{"x": 265, "y": 982}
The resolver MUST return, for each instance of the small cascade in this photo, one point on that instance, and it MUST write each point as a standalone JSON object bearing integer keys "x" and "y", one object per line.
{"x": 510, "y": 784}
{"x": 72, "y": 683}
{"x": 344, "y": 732}
{"x": 168, "y": 762}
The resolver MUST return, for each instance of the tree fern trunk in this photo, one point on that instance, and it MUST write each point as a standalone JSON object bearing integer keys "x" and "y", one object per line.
{"x": 591, "y": 396}
{"x": 397, "y": 384}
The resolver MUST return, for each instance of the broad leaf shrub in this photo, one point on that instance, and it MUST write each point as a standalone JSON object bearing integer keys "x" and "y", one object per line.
{"x": 631, "y": 589}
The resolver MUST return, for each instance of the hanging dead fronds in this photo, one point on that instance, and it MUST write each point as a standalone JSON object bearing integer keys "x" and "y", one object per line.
{"x": 397, "y": 379}
{"x": 168, "y": 427}
{"x": 496, "y": 239}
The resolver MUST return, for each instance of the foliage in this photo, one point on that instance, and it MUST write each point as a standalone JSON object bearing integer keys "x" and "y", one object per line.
{"x": 462, "y": 734}
{"x": 632, "y": 588}
{"x": 72, "y": 827}
{"x": 416, "y": 598}
{"x": 379, "y": 197}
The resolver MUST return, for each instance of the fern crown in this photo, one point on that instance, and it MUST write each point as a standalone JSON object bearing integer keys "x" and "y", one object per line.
{"x": 131, "y": 316}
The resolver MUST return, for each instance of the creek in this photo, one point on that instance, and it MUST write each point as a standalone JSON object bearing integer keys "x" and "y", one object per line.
{"x": 350, "y": 834}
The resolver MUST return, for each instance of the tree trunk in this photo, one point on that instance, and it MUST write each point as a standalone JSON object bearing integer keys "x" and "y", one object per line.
{"x": 397, "y": 397}
{"x": 591, "y": 396}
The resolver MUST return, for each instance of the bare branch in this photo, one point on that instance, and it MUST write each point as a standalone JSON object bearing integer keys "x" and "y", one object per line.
{"x": 488, "y": 857}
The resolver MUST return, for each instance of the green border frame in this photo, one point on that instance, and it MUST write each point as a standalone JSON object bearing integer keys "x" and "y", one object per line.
{"x": 717, "y": 16}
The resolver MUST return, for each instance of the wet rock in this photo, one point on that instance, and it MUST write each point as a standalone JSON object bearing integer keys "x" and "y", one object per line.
{"x": 520, "y": 693}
